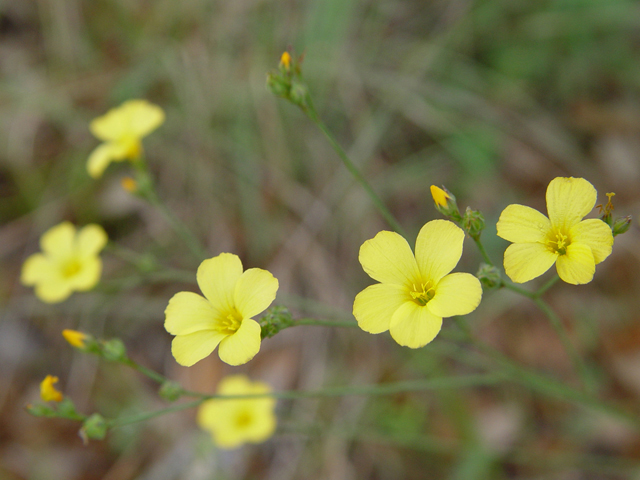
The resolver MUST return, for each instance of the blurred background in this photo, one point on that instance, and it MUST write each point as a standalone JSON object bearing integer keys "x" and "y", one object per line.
{"x": 492, "y": 98}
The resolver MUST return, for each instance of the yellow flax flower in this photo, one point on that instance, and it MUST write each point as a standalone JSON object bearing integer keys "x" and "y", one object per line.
{"x": 48, "y": 392}
{"x": 224, "y": 315}
{"x": 440, "y": 197}
{"x": 122, "y": 129}
{"x": 70, "y": 262}
{"x": 576, "y": 246}
{"x": 234, "y": 422}
{"x": 415, "y": 292}
{"x": 74, "y": 337}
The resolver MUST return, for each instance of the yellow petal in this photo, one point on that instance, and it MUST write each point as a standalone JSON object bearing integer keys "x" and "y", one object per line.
{"x": 526, "y": 261}
{"x": 456, "y": 294}
{"x": 103, "y": 155}
{"x": 188, "y": 313}
{"x": 53, "y": 291}
{"x": 88, "y": 276}
{"x": 74, "y": 337}
{"x": 59, "y": 241}
{"x": 191, "y": 348}
{"x": 48, "y": 392}
{"x": 596, "y": 235}
{"x": 91, "y": 240}
{"x": 577, "y": 266}
{"x": 388, "y": 258}
{"x": 255, "y": 290}
{"x": 520, "y": 224}
{"x": 569, "y": 200}
{"x": 234, "y": 422}
{"x": 440, "y": 197}
{"x": 414, "y": 326}
{"x": 217, "y": 279}
{"x": 242, "y": 346}
{"x": 375, "y": 305}
{"x": 135, "y": 118}
{"x": 38, "y": 268}
{"x": 438, "y": 249}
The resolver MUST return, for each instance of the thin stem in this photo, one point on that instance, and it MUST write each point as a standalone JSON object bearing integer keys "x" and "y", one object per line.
{"x": 547, "y": 286}
{"x": 353, "y": 169}
{"x": 576, "y": 359}
{"x": 368, "y": 390}
{"x": 324, "y": 323}
{"x": 148, "y": 192}
{"x": 483, "y": 252}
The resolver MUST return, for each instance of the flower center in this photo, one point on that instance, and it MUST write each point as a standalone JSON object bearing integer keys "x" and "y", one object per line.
{"x": 71, "y": 268}
{"x": 231, "y": 323}
{"x": 558, "y": 243}
{"x": 422, "y": 294}
{"x": 243, "y": 419}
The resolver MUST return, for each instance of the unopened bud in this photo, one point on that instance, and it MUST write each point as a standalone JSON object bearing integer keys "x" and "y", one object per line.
{"x": 445, "y": 202}
{"x": 75, "y": 338}
{"x": 114, "y": 350}
{"x": 473, "y": 223}
{"x": 48, "y": 392}
{"x": 95, "y": 428}
{"x": 285, "y": 61}
{"x": 277, "y": 318}
{"x": 489, "y": 276}
{"x": 621, "y": 225}
{"x": 170, "y": 391}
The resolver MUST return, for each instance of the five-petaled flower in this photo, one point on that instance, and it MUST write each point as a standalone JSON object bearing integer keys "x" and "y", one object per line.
{"x": 415, "y": 292}
{"x": 224, "y": 315}
{"x": 122, "y": 129}
{"x": 48, "y": 392}
{"x": 70, "y": 262}
{"x": 234, "y": 422}
{"x": 573, "y": 244}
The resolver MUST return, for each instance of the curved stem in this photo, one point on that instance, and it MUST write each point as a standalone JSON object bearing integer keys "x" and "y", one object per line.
{"x": 384, "y": 211}
{"x": 483, "y": 252}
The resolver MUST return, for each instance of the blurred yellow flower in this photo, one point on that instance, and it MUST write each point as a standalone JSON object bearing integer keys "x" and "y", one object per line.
{"x": 70, "y": 262}
{"x": 48, "y": 392}
{"x": 122, "y": 129}
{"x": 285, "y": 60}
{"x": 234, "y": 422}
{"x": 415, "y": 292}
{"x": 224, "y": 315}
{"x": 74, "y": 338}
{"x": 573, "y": 244}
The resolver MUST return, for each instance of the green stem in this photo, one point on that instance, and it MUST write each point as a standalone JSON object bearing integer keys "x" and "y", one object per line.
{"x": 547, "y": 286}
{"x": 324, "y": 323}
{"x": 146, "y": 189}
{"x": 576, "y": 359}
{"x": 483, "y": 252}
{"x": 368, "y": 390}
{"x": 384, "y": 211}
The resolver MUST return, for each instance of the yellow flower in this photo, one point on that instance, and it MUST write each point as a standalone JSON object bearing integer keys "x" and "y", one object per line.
{"x": 573, "y": 244}
{"x": 415, "y": 293}
{"x": 122, "y": 130}
{"x": 234, "y": 422}
{"x": 224, "y": 315}
{"x": 48, "y": 392}
{"x": 69, "y": 262}
{"x": 74, "y": 338}
{"x": 440, "y": 197}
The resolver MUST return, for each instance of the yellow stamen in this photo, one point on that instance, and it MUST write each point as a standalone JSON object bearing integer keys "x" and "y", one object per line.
{"x": 231, "y": 323}
{"x": 423, "y": 294}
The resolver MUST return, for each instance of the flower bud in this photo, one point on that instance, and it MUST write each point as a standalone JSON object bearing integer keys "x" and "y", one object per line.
{"x": 621, "y": 225}
{"x": 95, "y": 428}
{"x": 489, "y": 276}
{"x": 75, "y": 338}
{"x": 445, "y": 202}
{"x": 170, "y": 391}
{"x": 48, "y": 392}
{"x": 276, "y": 319}
{"x": 473, "y": 223}
{"x": 114, "y": 350}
